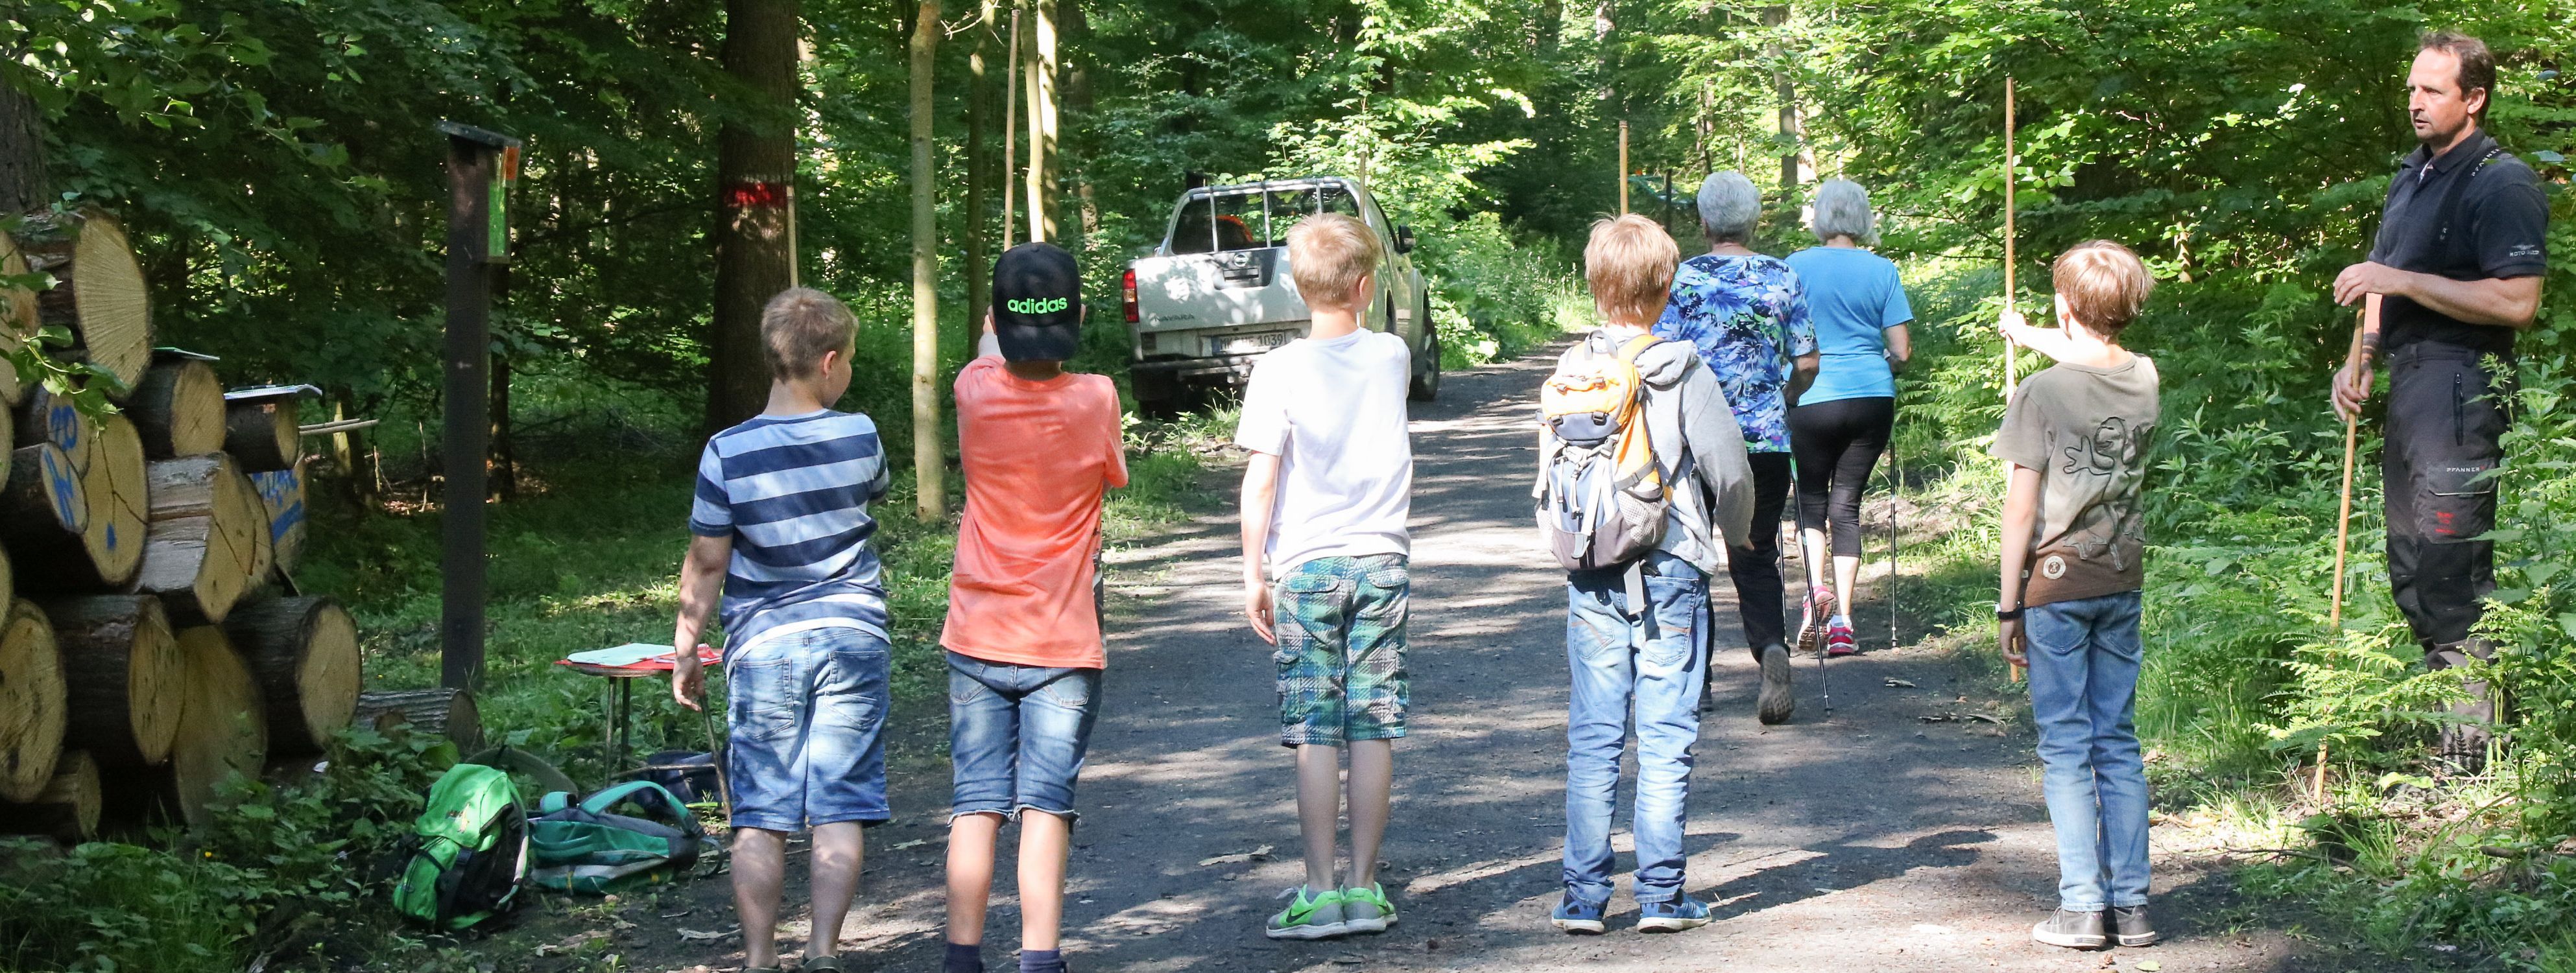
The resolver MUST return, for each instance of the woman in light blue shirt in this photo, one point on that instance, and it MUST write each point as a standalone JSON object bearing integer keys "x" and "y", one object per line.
{"x": 1841, "y": 423}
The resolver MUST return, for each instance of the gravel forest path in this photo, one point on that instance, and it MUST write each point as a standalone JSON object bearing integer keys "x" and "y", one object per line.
{"x": 1867, "y": 840}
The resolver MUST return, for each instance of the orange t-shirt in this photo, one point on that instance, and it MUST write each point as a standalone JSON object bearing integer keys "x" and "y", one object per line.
{"x": 1039, "y": 457}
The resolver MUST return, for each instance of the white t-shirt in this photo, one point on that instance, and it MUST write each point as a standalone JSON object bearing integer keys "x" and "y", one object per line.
{"x": 1333, "y": 412}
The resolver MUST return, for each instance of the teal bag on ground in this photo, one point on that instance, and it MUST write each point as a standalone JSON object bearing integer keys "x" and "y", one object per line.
{"x": 636, "y": 833}
{"x": 467, "y": 854}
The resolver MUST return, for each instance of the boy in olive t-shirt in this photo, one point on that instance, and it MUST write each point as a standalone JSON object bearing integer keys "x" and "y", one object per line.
{"x": 2075, "y": 443}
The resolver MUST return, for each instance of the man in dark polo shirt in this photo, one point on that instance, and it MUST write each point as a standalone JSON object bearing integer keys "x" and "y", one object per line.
{"x": 2458, "y": 261}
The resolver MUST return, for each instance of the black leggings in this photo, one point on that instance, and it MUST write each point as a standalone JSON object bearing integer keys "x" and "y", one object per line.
{"x": 1836, "y": 444}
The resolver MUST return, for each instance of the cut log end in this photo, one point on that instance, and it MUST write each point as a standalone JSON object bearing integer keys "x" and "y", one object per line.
{"x": 204, "y": 546}
{"x": 65, "y": 808}
{"x": 43, "y": 513}
{"x": 121, "y": 669}
{"x": 283, "y": 492}
{"x": 179, "y": 409}
{"x": 114, "y": 487}
{"x": 304, "y": 651}
{"x": 32, "y": 702}
{"x": 448, "y": 712}
{"x": 99, "y": 290}
{"x": 262, "y": 435}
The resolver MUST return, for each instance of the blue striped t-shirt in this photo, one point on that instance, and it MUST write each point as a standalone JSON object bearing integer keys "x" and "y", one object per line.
{"x": 793, "y": 493}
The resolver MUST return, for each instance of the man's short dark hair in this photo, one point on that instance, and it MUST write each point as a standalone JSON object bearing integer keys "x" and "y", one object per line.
{"x": 798, "y": 327}
{"x": 2477, "y": 63}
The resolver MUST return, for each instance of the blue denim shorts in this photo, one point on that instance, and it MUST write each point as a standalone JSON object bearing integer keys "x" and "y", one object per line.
{"x": 1017, "y": 735}
{"x": 806, "y": 711}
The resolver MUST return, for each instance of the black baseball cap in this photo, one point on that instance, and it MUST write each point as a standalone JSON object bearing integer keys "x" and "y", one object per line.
{"x": 1037, "y": 303}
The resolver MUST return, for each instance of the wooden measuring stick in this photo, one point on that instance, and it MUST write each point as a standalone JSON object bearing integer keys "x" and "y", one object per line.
{"x": 1623, "y": 168}
{"x": 2359, "y": 356}
{"x": 1010, "y": 128}
{"x": 2011, "y": 367}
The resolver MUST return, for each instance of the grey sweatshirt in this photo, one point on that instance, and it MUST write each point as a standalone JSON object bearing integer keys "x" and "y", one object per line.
{"x": 1687, "y": 415}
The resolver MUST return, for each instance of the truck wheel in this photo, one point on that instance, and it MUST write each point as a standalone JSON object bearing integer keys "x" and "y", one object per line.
{"x": 1426, "y": 380}
{"x": 1157, "y": 396}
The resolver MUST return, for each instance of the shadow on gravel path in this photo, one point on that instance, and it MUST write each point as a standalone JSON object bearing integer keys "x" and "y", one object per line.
{"x": 1870, "y": 840}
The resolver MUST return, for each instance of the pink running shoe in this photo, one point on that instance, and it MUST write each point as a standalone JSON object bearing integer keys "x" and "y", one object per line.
{"x": 1811, "y": 622}
{"x": 1839, "y": 641}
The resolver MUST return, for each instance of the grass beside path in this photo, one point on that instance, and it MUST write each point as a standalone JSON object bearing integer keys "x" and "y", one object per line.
{"x": 590, "y": 559}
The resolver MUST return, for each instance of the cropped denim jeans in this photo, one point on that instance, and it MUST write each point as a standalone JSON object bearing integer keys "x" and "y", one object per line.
{"x": 2083, "y": 694}
{"x": 1650, "y": 661}
{"x": 1017, "y": 735}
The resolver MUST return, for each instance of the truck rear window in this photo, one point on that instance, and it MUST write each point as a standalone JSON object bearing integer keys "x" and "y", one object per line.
{"x": 1253, "y": 220}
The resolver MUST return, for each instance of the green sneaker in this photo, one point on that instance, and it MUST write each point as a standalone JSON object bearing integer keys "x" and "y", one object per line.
{"x": 1308, "y": 916}
{"x": 1367, "y": 910}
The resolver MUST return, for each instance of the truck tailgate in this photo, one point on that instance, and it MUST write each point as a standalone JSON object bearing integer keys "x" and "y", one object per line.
{"x": 1216, "y": 290}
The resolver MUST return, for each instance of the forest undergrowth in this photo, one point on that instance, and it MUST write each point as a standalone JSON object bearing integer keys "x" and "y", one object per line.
{"x": 2244, "y": 679}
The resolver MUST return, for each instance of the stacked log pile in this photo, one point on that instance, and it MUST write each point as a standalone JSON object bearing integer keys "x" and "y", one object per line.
{"x": 151, "y": 642}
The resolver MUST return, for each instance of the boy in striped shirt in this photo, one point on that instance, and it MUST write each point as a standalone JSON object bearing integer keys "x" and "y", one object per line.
{"x": 780, "y": 526}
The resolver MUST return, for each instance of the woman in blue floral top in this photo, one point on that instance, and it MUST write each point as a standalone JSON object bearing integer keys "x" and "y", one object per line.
{"x": 1747, "y": 315}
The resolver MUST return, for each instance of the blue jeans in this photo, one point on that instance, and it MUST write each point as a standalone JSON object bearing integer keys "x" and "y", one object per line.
{"x": 1017, "y": 735}
{"x": 806, "y": 709}
{"x": 1651, "y": 661}
{"x": 2083, "y": 694}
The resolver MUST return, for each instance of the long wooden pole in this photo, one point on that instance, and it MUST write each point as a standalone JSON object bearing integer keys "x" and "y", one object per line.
{"x": 2359, "y": 356}
{"x": 929, "y": 451}
{"x": 2011, "y": 367}
{"x": 1041, "y": 119}
{"x": 1623, "y": 168}
{"x": 1010, "y": 133}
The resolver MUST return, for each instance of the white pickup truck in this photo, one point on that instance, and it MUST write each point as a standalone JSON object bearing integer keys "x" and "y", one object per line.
{"x": 1216, "y": 293}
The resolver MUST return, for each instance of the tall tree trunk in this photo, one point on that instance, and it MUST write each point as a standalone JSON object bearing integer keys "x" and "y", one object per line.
{"x": 22, "y": 152}
{"x": 979, "y": 168}
{"x": 1077, "y": 37}
{"x": 1042, "y": 121}
{"x": 755, "y": 165}
{"x": 929, "y": 451}
{"x": 1605, "y": 25}
{"x": 1778, "y": 17}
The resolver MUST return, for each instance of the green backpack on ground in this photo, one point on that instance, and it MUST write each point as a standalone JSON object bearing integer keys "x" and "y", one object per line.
{"x": 632, "y": 834}
{"x": 467, "y": 854}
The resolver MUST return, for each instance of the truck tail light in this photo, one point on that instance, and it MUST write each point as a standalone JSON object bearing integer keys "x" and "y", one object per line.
{"x": 1127, "y": 295}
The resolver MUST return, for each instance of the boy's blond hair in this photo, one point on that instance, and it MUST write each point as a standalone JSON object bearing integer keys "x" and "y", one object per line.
{"x": 799, "y": 327}
{"x": 1328, "y": 255}
{"x": 2104, "y": 283}
{"x": 1629, "y": 264}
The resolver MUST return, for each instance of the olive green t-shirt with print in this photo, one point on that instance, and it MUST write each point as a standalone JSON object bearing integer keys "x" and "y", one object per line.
{"x": 2088, "y": 431}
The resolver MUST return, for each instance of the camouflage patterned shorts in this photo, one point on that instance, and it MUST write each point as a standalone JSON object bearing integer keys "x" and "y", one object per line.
{"x": 1341, "y": 649}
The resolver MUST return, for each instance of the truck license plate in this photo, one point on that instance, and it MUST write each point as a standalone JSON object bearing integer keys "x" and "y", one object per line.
{"x": 1250, "y": 344}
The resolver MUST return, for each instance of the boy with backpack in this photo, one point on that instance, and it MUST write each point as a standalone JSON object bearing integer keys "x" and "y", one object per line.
{"x": 1325, "y": 498}
{"x": 1041, "y": 447}
{"x": 1634, "y": 428}
{"x": 780, "y": 526}
{"x": 2075, "y": 443}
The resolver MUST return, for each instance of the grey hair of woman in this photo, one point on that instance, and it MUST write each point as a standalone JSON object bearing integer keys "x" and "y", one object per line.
{"x": 1728, "y": 207}
{"x": 1842, "y": 209}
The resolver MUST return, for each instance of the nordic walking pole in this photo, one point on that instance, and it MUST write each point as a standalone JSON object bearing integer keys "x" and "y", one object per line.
{"x": 2343, "y": 520}
{"x": 1010, "y": 127}
{"x": 1895, "y": 568}
{"x": 724, "y": 786}
{"x": 2011, "y": 367}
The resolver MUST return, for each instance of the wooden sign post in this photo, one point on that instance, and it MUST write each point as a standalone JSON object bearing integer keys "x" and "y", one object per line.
{"x": 481, "y": 167}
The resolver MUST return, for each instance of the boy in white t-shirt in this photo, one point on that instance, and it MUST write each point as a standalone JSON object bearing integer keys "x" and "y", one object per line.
{"x": 1325, "y": 499}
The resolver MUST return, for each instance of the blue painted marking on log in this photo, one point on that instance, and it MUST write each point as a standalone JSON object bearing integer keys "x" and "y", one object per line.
{"x": 64, "y": 487}
{"x": 277, "y": 491}
{"x": 63, "y": 425}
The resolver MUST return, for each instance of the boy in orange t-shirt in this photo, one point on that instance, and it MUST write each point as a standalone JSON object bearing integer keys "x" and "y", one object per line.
{"x": 1041, "y": 447}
